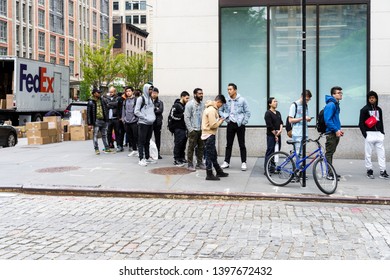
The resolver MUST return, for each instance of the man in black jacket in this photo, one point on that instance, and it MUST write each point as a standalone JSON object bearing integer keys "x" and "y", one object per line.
{"x": 114, "y": 104}
{"x": 157, "y": 125}
{"x": 97, "y": 117}
{"x": 180, "y": 129}
{"x": 374, "y": 135}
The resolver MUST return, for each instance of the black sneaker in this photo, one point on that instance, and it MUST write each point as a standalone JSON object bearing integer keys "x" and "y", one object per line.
{"x": 384, "y": 175}
{"x": 178, "y": 163}
{"x": 370, "y": 174}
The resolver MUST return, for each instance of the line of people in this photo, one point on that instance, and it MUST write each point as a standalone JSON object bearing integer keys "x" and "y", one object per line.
{"x": 192, "y": 121}
{"x": 373, "y": 134}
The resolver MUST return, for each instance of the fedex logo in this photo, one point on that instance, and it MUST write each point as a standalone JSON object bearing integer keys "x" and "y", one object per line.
{"x": 39, "y": 83}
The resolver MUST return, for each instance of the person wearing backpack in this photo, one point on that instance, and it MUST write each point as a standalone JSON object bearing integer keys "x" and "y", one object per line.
{"x": 332, "y": 121}
{"x": 178, "y": 126}
{"x": 144, "y": 110}
{"x": 295, "y": 117}
{"x": 130, "y": 120}
{"x": 157, "y": 125}
{"x": 274, "y": 123}
{"x": 371, "y": 126}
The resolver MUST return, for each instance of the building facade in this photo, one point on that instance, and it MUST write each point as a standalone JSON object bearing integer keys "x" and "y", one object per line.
{"x": 138, "y": 13}
{"x": 53, "y": 30}
{"x": 130, "y": 40}
{"x": 257, "y": 44}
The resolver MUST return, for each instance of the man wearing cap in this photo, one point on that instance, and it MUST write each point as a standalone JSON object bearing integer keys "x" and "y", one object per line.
{"x": 97, "y": 117}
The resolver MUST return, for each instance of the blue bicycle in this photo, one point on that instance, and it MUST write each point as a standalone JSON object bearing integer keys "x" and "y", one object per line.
{"x": 282, "y": 167}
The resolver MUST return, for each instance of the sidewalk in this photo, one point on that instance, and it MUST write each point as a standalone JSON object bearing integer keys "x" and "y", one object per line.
{"x": 72, "y": 168}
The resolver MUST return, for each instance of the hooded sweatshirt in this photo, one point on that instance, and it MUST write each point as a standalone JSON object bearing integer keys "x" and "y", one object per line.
{"x": 332, "y": 114}
{"x": 144, "y": 107}
{"x": 371, "y": 110}
{"x": 210, "y": 119}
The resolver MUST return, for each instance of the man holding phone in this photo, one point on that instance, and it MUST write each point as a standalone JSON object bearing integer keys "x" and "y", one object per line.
{"x": 295, "y": 117}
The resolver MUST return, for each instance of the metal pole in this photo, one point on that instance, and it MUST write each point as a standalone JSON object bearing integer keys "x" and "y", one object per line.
{"x": 304, "y": 105}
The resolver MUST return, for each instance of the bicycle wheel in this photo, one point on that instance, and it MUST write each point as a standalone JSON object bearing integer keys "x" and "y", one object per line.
{"x": 280, "y": 169}
{"x": 325, "y": 176}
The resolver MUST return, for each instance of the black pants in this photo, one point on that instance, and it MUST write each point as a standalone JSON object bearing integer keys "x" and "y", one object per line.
{"x": 231, "y": 131}
{"x": 114, "y": 124}
{"x": 132, "y": 134}
{"x": 180, "y": 136}
{"x": 144, "y": 134}
{"x": 157, "y": 136}
{"x": 271, "y": 142}
{"x": 211, "y": 153}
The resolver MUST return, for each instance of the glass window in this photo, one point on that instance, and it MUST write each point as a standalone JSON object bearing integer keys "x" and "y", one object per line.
{"x": 143, "y": 19}
{"x": 17, "y": 34}
{"x": 71, "y": 8}
{"x": 62, "y": 61}
{"x": 128, "y": 5}
{"x": 17, "y": 10}
{"x": 3, "y": 31}
{"x": 41, "y": 41}
{"x": 343, "y": 56}
{"x": 94, "y": 36}
{"x": 71, "y": 68}
{"x": 128, "y": 19}
{"x": 41, "y": 57}
{"x": 3, "y": 7}
{"x": 115, "y": 6}
{"x": 71, "y": 48}
{"x": 71, "y": 28}
{"x": 135, "y": 5}
{"x": 62, "y": 45}
{"x": 3, "y": 51}
{"x": 52, "y": 44}
{"x": 41, "y": 2}
{"x": 244, "y": 32}
{"x": 94, "y": 18}
{"x": 271, "y": 61}
{"x": 142, "y": 5}
{"x": 136, "y": 19}
{"x": 53, "y": 60}
{"x": 41, "y": 18}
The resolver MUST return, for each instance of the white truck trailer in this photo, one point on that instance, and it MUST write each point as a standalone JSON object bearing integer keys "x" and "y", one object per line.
{"x": 29, "y": 89}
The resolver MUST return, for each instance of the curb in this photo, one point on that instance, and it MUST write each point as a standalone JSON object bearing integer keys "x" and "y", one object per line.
{"x": 92, "y": 192}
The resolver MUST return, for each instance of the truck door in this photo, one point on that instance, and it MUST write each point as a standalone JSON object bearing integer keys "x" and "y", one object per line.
{"x": 57, "y": 91}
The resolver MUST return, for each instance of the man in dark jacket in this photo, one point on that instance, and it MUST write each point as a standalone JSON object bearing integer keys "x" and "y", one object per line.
{"x": 97, "y": 117}
{"x": 179, "y": 127}
{"x": 157, "y": 125}
{"x": 374, "y": 135}
{"x": 114, "y": 104}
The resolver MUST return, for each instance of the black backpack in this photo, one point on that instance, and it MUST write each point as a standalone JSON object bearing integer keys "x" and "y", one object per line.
{"x": 170, "y": 125}
{"x": 288, "y": 124}
{"x": 320, "y": 124}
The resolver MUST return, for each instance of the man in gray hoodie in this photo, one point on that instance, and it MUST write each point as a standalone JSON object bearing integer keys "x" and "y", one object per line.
{"x": 130, "y": 120}
{"x": 144, "y": 110}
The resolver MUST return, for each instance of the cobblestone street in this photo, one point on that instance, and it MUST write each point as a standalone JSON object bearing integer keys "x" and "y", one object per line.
{"x": 80, "y": 228}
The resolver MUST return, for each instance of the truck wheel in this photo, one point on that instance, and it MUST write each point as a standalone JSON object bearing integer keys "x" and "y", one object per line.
{"x": 11, "y": 140}
{"x": 37, "y": 118}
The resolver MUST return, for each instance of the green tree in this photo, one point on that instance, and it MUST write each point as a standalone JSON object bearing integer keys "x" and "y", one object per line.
{"x": 137, "y": 70}
{"x": 99, "y": 65}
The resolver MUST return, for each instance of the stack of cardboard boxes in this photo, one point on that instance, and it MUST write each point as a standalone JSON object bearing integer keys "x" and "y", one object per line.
{"x": 46, "y": 132}
{"x": 78, "y": 126}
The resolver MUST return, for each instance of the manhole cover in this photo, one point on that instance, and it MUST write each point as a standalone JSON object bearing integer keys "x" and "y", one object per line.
{"x": 170, "y": 171}
{"x": 58, "y": 169}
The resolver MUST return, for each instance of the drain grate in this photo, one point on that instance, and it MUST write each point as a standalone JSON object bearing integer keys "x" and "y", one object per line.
{"x": 170, "y": 171}
{"x": 57, "y": 169}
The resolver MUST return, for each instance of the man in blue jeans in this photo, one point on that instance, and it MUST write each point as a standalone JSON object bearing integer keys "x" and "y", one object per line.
{"x": 236, "y": 113}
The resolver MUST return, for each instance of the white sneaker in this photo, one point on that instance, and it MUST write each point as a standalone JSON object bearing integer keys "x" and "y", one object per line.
{"x": 225, "y": 165}
{"x": 243, "y": 166}
{"x": 143, "y": 162}
{"x": 133, "y": 154}
{"x": 150, "y": 161}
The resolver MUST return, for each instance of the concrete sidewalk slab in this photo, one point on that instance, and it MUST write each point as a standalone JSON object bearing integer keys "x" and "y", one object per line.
{"x": 36, "y": 169}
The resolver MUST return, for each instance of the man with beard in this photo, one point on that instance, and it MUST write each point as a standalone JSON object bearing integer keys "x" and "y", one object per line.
{"x": 193, "y": 120}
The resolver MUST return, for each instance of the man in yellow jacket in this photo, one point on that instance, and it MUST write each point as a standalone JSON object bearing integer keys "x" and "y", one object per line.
{"x": 210, "y": 123}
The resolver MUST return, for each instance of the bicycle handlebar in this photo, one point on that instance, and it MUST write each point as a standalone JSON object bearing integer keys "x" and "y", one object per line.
{"x": 319, "y": 137}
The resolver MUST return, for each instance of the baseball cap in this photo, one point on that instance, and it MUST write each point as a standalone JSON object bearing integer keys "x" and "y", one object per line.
{"x": 96, "y": 90}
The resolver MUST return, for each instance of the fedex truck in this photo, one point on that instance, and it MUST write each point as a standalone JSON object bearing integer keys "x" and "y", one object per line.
{"x": 29, "y": 89}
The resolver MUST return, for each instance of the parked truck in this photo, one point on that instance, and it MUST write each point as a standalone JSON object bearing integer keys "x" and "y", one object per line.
{"x": 29, "y": 89}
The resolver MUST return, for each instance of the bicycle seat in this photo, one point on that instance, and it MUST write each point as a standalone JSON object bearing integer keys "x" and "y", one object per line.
{"x": 291, "y": 142}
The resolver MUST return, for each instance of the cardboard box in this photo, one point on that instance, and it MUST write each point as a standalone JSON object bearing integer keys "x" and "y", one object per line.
{"x": 37, "y": 125}
{"x": 38, "y": 140}
{"x": 10, "y": 101}
{"x": 54, "y": 122}
{"x": 53, "y": 138}
{"x": 78, "y": 132}
{"x": 66, "y": 136}
{"x": 52, "y": 131}
{"x": 38, "y": 133}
